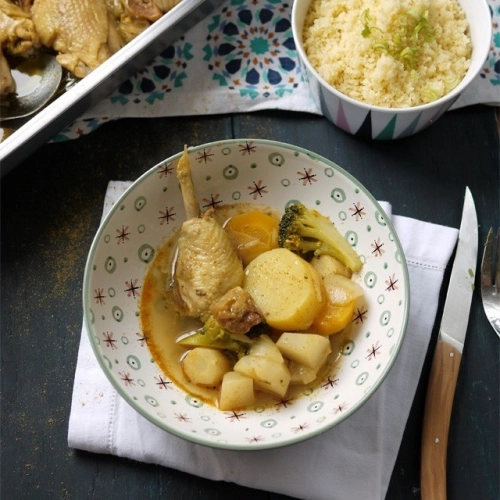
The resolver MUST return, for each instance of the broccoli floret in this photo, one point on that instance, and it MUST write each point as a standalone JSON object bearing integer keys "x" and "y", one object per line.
{"x": 305, "y": 231}
{"x": 213, "y": 335}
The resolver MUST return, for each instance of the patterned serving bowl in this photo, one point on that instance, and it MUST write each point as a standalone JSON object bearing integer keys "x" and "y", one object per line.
{"x": 257, "y": 172}
{"x": 377, "y": 122}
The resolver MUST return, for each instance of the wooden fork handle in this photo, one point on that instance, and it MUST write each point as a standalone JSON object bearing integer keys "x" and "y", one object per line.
{"x": 436, "y": 425}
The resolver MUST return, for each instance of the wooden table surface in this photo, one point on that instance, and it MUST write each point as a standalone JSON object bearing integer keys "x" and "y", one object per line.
{"x": 51, "y": 207}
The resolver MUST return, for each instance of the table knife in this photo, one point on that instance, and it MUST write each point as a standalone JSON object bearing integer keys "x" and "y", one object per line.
{"x": 447, "y": 357}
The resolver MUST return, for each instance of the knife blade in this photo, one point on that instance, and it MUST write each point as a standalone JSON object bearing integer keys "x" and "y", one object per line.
{"x": 447, "y": 357}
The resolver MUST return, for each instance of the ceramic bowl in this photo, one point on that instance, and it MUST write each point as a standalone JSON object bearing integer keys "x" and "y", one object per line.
{"x": 375, "y": 122}
{"x": 256, "y": 172}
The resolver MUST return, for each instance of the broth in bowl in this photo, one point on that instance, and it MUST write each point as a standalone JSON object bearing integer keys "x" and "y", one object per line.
{"x": 173, "y": 337}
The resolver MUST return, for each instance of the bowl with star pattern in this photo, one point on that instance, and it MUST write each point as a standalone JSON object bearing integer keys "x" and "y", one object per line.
{"x": 124, "y": 313}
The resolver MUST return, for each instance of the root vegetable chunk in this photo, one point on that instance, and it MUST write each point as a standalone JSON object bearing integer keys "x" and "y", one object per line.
{"x": 326, "y": 265}
{"x": 308, "y": 349}
{"x": 264, "y": 347}
{"x": 263, "y": 358}
{"x": 340, "y": 290}
{"x": 268, "y": 375}
{"x": 236, "y": 391}
{"x": 205, "y": 366}
{"x": 286, "y": 289}
{"x": 252, "y": 233}
{"x": 340, "y": 300}
{"x": 333, "y": 318}
{"x": 300, "y": 374}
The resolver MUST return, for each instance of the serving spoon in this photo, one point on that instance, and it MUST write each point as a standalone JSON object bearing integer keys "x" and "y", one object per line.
{"x": 37, "y": 80}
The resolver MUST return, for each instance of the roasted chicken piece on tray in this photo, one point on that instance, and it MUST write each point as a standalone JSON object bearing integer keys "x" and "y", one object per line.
{"x": 206, "y": 265}
{"x": 87, "y": 32}
{"x": 7, "y": 83}
{"x": 81, "y": 31}
{"x": 84, "y": 33}
{"x": 17, "y": 38}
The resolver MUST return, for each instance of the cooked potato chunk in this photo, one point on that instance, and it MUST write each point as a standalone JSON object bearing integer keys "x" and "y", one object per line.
{"x": 267, "y": 374}
{"x": 236, "y": 391}
{"x": 308, "y": 349}
{"x": 286, "y": 289}
{"x": 205, "y": 366}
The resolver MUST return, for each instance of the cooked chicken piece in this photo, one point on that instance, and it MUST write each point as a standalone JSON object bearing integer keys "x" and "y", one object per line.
{"x": 166, "y": 5}
{"x": 116, "y": 39}
{"x": 84, "y": 32}
{"x": 122, "y": 26}
{"x": 7, "y": 83}
{"x": 143, "y": 9}
{"x": 236, "y": 311}
{"x": 77, "y": 29}
{"x": 207, "y": 265}
{"x": 24, "y": 4}
{"x": 17, "y": 31}
{"x": 191, "y": 206}
{"x": 17, "y": 38}
{"x": 129, "y": 27}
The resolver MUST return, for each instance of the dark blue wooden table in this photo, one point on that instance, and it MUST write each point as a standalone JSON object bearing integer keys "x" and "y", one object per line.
{"x": 51, "y": 207}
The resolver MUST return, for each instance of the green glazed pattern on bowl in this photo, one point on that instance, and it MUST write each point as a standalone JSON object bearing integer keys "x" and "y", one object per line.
{"x": 250, "y": 171}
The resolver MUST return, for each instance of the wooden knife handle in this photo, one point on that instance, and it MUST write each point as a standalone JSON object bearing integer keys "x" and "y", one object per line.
{"x": 436, "y": 425}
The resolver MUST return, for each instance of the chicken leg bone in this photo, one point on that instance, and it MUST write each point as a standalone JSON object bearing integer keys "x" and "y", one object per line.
{"x": 207, "y": 265}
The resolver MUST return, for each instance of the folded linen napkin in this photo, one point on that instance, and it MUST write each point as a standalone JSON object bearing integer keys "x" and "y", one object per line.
{"x": 354, "y": 460}
{"x": 241, "y": 58}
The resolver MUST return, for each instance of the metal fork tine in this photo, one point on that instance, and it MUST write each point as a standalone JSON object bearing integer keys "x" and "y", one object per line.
{"x": 487, "y": 262}
{"x": 490, "y": 285}
{"x": 497, "y": 267}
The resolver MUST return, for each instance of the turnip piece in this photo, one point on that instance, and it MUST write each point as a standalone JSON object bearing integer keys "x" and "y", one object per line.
{"x": 236, "y": 391}
{"x": 326, "y": 265}
{"x": 300, "y": 374}
{"x": 205, "y": 366}
{"x": 308, "y": 349}
{"x": 268, "y": 375}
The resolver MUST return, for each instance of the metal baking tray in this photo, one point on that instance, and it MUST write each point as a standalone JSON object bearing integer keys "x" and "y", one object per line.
{"x": 102, "y": 81}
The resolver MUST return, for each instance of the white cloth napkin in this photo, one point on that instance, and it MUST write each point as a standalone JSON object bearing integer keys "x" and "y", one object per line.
{"x": 352, "y": 461}
{"x": 240, "y": 58}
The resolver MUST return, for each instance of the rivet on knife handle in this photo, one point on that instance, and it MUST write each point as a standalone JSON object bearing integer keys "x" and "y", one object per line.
{"x": 439, "y": 402}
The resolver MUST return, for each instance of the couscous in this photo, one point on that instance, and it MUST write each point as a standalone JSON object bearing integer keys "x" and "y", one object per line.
{"x": 388, "y": 53}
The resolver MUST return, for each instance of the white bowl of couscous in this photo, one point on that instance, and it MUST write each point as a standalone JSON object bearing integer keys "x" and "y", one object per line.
{"x": 386, "y": 70}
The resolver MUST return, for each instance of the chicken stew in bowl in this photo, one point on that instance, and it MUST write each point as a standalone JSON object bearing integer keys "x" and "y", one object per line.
{"x": 237, "y": 318}
{"x": 249, "y": 176}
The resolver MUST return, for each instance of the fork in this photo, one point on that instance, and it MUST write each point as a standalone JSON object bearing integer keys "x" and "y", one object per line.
{"x": 490, "y": 279}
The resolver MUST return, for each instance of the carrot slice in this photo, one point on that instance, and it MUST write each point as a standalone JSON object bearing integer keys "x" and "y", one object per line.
{"x": 252, "y": 233}
{"x": 333, "y": 318}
